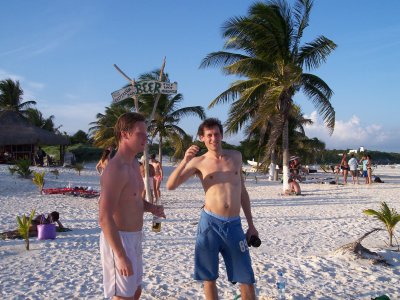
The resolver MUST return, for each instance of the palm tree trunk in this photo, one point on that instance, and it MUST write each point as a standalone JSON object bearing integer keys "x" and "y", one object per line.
{"x": 285, "y": 154}
{"x": 272, "y": 167}
{"x": 149, "y": 195}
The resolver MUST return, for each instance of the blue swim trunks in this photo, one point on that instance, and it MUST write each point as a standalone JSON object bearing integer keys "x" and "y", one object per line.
{"x": 217, "y": 234}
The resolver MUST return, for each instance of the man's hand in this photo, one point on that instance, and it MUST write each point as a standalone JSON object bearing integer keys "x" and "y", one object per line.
{"x": 158, "y": 211}
{"x": 124, "y": 266}
{"x": 191, "y": 152}
{"x": 251, "y": 231}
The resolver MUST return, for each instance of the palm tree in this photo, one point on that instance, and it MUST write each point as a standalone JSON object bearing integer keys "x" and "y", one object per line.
{"x": 36, "y": 118}
{"x": 11, "y": 96}
{"x": 102, "y": 130}
{"x": 388, "y": 216}
{"x": 167, "y": 115}
{"x": 272, "y": 61}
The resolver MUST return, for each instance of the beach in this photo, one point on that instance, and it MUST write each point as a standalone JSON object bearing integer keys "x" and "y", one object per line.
{"x": 299, "y": 236}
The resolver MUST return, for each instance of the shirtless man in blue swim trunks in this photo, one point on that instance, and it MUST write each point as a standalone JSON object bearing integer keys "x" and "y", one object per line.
{"x": 219, "y": 229}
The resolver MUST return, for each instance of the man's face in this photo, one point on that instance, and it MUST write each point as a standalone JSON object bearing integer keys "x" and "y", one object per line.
{"x": 212, "y": 138}
{"x": 137, "y": 137}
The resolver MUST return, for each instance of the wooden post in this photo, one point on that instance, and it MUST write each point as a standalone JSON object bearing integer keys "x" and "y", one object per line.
{"x": 149, "y": 196}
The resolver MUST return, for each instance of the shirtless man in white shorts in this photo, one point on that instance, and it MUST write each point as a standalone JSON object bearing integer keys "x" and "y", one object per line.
{"x": 121, "y": 209}
{"x": 219, "y": 229}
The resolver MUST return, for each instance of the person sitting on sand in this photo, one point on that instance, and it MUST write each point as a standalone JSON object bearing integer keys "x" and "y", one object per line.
{"x": 294, "y": 188}
{"x": 53, "y": 217}
{"x": 105, "y": 158}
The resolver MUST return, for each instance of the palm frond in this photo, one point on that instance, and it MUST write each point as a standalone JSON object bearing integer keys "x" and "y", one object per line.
{"x": 313, "y": 54}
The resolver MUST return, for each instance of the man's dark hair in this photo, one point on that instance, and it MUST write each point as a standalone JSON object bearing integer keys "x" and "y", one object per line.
{"x": 54, "y": 216}
{"x": 209, "y": 123}
{"x": 125, "y": 123}
{"x": 153, "y": 156}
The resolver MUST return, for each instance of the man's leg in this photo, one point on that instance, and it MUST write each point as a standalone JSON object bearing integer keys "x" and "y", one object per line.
{"x": 210, "y": 290}
{"x": 247, "y": 292}
{"x": 134, "y": 297}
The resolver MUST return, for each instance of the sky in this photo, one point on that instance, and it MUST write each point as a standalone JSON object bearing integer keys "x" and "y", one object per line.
{"x": 62, "y": 53}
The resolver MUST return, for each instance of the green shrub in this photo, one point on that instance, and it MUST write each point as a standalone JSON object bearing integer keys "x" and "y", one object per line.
{"x": 21, "y": 168}
{"x": 79, "y": 167}
{"x": 23, "y": 227}
{"x": 38, "y": 179}
{"x": 55, "y": 172}
{"x": 387, "y": 216}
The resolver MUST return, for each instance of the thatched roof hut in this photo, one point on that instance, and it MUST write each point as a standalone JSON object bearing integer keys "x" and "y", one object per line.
{"x": 19, "y": 137}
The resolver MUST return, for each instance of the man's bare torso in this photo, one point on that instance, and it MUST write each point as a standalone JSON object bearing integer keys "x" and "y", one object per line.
{"x": 222, "y": 182}
{"x": 128, "y": 211}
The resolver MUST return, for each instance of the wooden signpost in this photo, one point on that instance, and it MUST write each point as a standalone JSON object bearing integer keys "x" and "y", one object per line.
{"x": 156, "y": 88}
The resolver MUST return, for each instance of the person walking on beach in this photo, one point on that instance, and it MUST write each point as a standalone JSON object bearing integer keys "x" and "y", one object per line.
{"x": 151, "y": 177}
{"x": 121, "y": 209}
{"x": 158, "y": 177}
{"x": 105, "y": 158}
{"x": 369, "y": 169}
{"x": 353, "y": 165}
{"x": 344, "y": 166}
{"x": 364, "y": 162}
{"x": 219, "y": 229}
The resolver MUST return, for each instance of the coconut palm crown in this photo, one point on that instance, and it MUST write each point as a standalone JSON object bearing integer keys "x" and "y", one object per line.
{"x": 11, "y": 96}
{"x": 168, "y": 115}
{"x": 273, "y": 62}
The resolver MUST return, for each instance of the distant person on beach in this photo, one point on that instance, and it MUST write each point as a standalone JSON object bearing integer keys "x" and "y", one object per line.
{"x": 40, "y": 155}
{"x": 53, "y": 217}
{"x": 219, "y": 229}
{"x": 121, "y": 209}
{"x": 151, "y": 177}
{"x": 353, "y": 165}
{"x": 158, "y": 177}
{"x": 364, "y": 162}
{"x": 294, "y": 187}
{"x": 369, "y": 169}
{"x": 344, "y": 166}
{"x": 105, "y": 158}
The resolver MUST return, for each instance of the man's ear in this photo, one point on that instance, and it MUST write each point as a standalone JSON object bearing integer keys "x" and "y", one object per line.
{"x": 124, "y": 134}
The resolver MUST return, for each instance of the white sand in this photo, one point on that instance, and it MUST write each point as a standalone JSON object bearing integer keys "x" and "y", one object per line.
{"x": 299, "y": 234}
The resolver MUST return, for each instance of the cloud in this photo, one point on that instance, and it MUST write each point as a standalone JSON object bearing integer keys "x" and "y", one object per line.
{"x": 73, "y": 116}
{"x": 353, "y": 133}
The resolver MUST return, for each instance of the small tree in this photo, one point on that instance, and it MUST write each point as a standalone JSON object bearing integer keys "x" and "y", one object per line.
{"x": 388, "y": 216}
{"x": 22, "y": 168}
{"x": 79, "y": 168}
{"x": 55, "y": 172}
{"x": 38, "y": 179}
{"x": 23, "y": 227}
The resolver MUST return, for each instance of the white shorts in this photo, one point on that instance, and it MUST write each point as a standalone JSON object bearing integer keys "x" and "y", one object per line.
{"x": 114, "y": 283}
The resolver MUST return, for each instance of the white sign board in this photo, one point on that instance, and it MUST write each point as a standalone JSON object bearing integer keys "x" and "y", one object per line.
{"x": 124, "y": 93}
{"x": 145, "y": 87}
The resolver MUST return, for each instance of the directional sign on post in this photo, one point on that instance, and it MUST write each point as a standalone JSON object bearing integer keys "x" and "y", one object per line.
{"x": 145, "y": 87}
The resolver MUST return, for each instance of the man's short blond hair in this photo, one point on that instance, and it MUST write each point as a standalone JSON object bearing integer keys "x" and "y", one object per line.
{"x": 125, "y": 123}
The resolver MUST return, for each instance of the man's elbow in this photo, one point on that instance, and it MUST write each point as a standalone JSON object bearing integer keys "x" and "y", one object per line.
{"x": 170, "y": 186}
{"x": 104, "y": 220}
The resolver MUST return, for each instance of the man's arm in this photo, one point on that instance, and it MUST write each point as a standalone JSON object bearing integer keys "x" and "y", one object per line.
{"x": 245, "y": 202}
{"x": 112, "y": 183}
{"x": 184, "y": 170}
